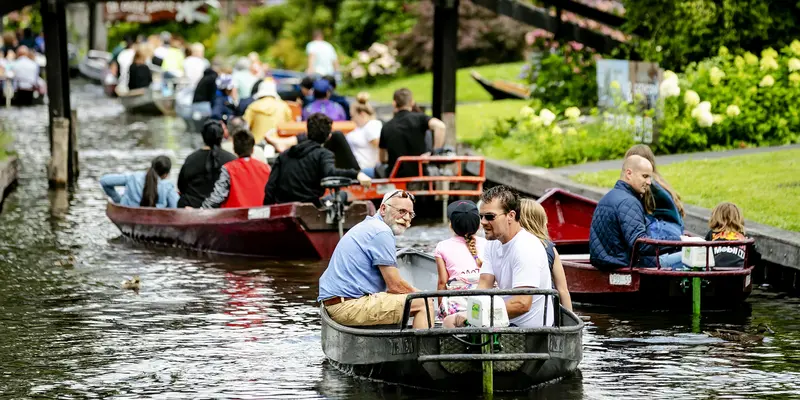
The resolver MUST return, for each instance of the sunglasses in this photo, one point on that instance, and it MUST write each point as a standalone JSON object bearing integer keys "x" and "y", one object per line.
{"x": 403, "y": 195}
{"x": 490, "y": 217}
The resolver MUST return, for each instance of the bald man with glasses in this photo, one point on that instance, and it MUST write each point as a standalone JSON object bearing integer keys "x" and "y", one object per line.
{"x": 362, "y": 285}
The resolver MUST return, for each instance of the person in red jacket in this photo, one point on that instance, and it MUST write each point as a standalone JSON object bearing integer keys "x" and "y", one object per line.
{"x": 241, "y": 182}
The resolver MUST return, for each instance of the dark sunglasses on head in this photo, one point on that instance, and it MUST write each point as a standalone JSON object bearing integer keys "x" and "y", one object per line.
{"x": 490, "y": 217}
{"x": 403, "y": 195}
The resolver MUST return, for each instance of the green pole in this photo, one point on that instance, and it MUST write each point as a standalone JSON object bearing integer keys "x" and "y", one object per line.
{"x": 488, "y": 369}
{"x": 696, "y": 281}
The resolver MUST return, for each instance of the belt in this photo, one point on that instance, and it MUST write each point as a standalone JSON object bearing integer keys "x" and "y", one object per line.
{"x": 336, "y": 300}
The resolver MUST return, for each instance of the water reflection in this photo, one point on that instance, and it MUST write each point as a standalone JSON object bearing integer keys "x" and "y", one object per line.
{"x": 210, "y": 326}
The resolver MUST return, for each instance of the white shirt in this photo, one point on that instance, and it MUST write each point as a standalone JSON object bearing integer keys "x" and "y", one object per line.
{"x": 359, "y": 139}
{"x": 324, "y": 57}
{"x": 26, "y": 73}
{"x": 193, "y": 68}
{"x": 521, "y": 262}
{"x": 124, "y": 60}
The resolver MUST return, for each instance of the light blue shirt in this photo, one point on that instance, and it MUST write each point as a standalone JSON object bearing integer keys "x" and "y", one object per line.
{"x": 134, "y": 186}
{"x": 353, "y": 270}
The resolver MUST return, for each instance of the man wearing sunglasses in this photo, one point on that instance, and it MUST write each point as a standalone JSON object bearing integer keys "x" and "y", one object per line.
{"x": 362, "y": 285}
{"x": 514, "y": 259}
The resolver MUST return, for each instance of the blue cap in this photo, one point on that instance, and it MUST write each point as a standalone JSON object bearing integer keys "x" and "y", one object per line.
{"x": 322, "y": 85}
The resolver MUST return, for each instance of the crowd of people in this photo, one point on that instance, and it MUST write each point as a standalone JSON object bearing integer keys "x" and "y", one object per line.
{"x": 18, "y": 64}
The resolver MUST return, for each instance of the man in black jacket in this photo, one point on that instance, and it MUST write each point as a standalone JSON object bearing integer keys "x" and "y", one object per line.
{"x": 298, "y": 171}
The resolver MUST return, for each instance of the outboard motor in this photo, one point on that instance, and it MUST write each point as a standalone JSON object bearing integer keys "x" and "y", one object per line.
{"x": 335, "y": 205}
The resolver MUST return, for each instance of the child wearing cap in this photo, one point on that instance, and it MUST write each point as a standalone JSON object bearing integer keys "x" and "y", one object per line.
{"x": 459, "y": 258}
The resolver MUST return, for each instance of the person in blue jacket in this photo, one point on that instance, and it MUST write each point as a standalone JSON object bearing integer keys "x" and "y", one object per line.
{"x": 619, "y": 219}
{"x": 663, "y": 206}
{"x": 142, "y": 189}
{"x": 223, "y": 107}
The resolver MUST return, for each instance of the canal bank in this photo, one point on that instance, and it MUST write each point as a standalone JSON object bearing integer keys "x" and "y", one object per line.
{"x": 779, "y": 247}
{"x": 8, "y": 177}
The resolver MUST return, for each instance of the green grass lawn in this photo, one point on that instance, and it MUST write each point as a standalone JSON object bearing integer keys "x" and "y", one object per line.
{"x": 467, "y": 90}
{"x": 765, "y": 186}
{"x": 471, "y": 119}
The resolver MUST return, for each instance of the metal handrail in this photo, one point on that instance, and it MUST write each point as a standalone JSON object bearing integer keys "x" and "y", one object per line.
{"x": 483, "y": 292}
{"x": 678, "y": 243}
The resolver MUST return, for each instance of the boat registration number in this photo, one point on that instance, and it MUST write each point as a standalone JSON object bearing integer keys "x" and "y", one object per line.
{"x": 402, "y": 346}
{"x": 258, "y": 213}
{"x": 619, "y": 279}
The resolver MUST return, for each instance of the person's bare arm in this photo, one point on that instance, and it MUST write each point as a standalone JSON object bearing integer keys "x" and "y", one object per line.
{"x": 394, "y": 282}
{"x": 384, "y": 156}
{"x": 310, "y": 67}
{"x": 520, "y": 304}
{"x": 442, "y": 269}
{"x": 560, "y": 281}
{"x": 438, "y": 127}
{"x": 486, "y": 281}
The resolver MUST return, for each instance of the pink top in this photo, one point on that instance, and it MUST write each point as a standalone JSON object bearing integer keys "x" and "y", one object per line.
{"x": 459, "y": 262}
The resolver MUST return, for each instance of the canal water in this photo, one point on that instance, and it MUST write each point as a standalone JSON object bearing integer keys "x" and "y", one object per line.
{"x": 207, "y": 327}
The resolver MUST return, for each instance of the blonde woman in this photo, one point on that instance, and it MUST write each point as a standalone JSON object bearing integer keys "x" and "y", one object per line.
{"x": 364, "y": 139}
{"x": 534, "y": 220}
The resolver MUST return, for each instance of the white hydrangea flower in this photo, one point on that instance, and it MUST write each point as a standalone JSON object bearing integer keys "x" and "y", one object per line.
{"x": 572, "y": 131}
{"x": 716, "y": 75}
{"x": 691, "y": 98}
{"x": 557, "y": 130}
{"x": 669, "y": 88}
{"x": 767, "y": 81}
{"x": 733, "y": 110}
{"x": 363, "y": 56}
{"x": 705, "y": 119}
{"x": 769, "y": 63}
{"x": 794, "y": 64}
{"x": 704, "y": 107}
{"x": 358, "y": 72}
{"x": 572, "y": 112}
{"x": 669, "y": 75}
{"x": 374, "y": 69}
{"x": 547, "y": 117}
{"x": 526, "y": 111}
{"x": 718, "y": 118}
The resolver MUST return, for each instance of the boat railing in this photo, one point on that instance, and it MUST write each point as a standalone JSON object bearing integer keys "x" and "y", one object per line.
{"x": 547, "y": 293}
{"x": 704, "y": 271}
{"x": 429, "y": 185}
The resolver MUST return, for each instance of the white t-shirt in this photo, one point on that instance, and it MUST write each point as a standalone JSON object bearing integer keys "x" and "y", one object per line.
{"x": 521, "y": 262}
{"x": 324, "y": 56}
{"x": 193, "y": 68}
{"x": 124, "y": 60}
{"x": 359, "y": 139}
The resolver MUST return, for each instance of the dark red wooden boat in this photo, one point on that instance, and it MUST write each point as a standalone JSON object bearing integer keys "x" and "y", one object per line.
{"x": 569, "y": 219}
{"x": 291, "y": 231}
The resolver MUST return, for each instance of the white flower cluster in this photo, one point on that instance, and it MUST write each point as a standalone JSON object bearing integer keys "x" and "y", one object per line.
{"x": 378, "y": 60}
{"x": 702, "y": 110}
{"x": 669, "y": 86}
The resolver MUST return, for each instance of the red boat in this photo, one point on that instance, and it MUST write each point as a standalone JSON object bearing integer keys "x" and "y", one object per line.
{"x": 291, "y": 230}
{"x": 570, "y": 217}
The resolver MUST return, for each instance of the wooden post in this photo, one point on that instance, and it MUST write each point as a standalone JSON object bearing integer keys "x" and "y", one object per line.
{"x": 54, "y": 23}
{"x": 73, "y": 140}
{"x": 445, "y": 53}
{"x": 92, "y": 25}
{"x": 57, "y": 171}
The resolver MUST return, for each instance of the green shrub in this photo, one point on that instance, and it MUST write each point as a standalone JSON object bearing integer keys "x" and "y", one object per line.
{"x": 546, "y": 139}
{"x": 733, "y": 101}
{"x": 561, "y": 73}
{"x": 360, "y": 23}
{"x": 679, "y": 32}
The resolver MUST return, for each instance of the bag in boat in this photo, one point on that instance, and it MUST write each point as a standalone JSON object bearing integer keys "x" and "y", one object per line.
{"x": 478, "y": 311}
{"x": 696, "y": 256}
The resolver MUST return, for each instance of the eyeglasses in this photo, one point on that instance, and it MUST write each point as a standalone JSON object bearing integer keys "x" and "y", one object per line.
{"x": 402, "y": 194}
{"x": 402, "y": 211}
{"x": 490, "y": 217}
